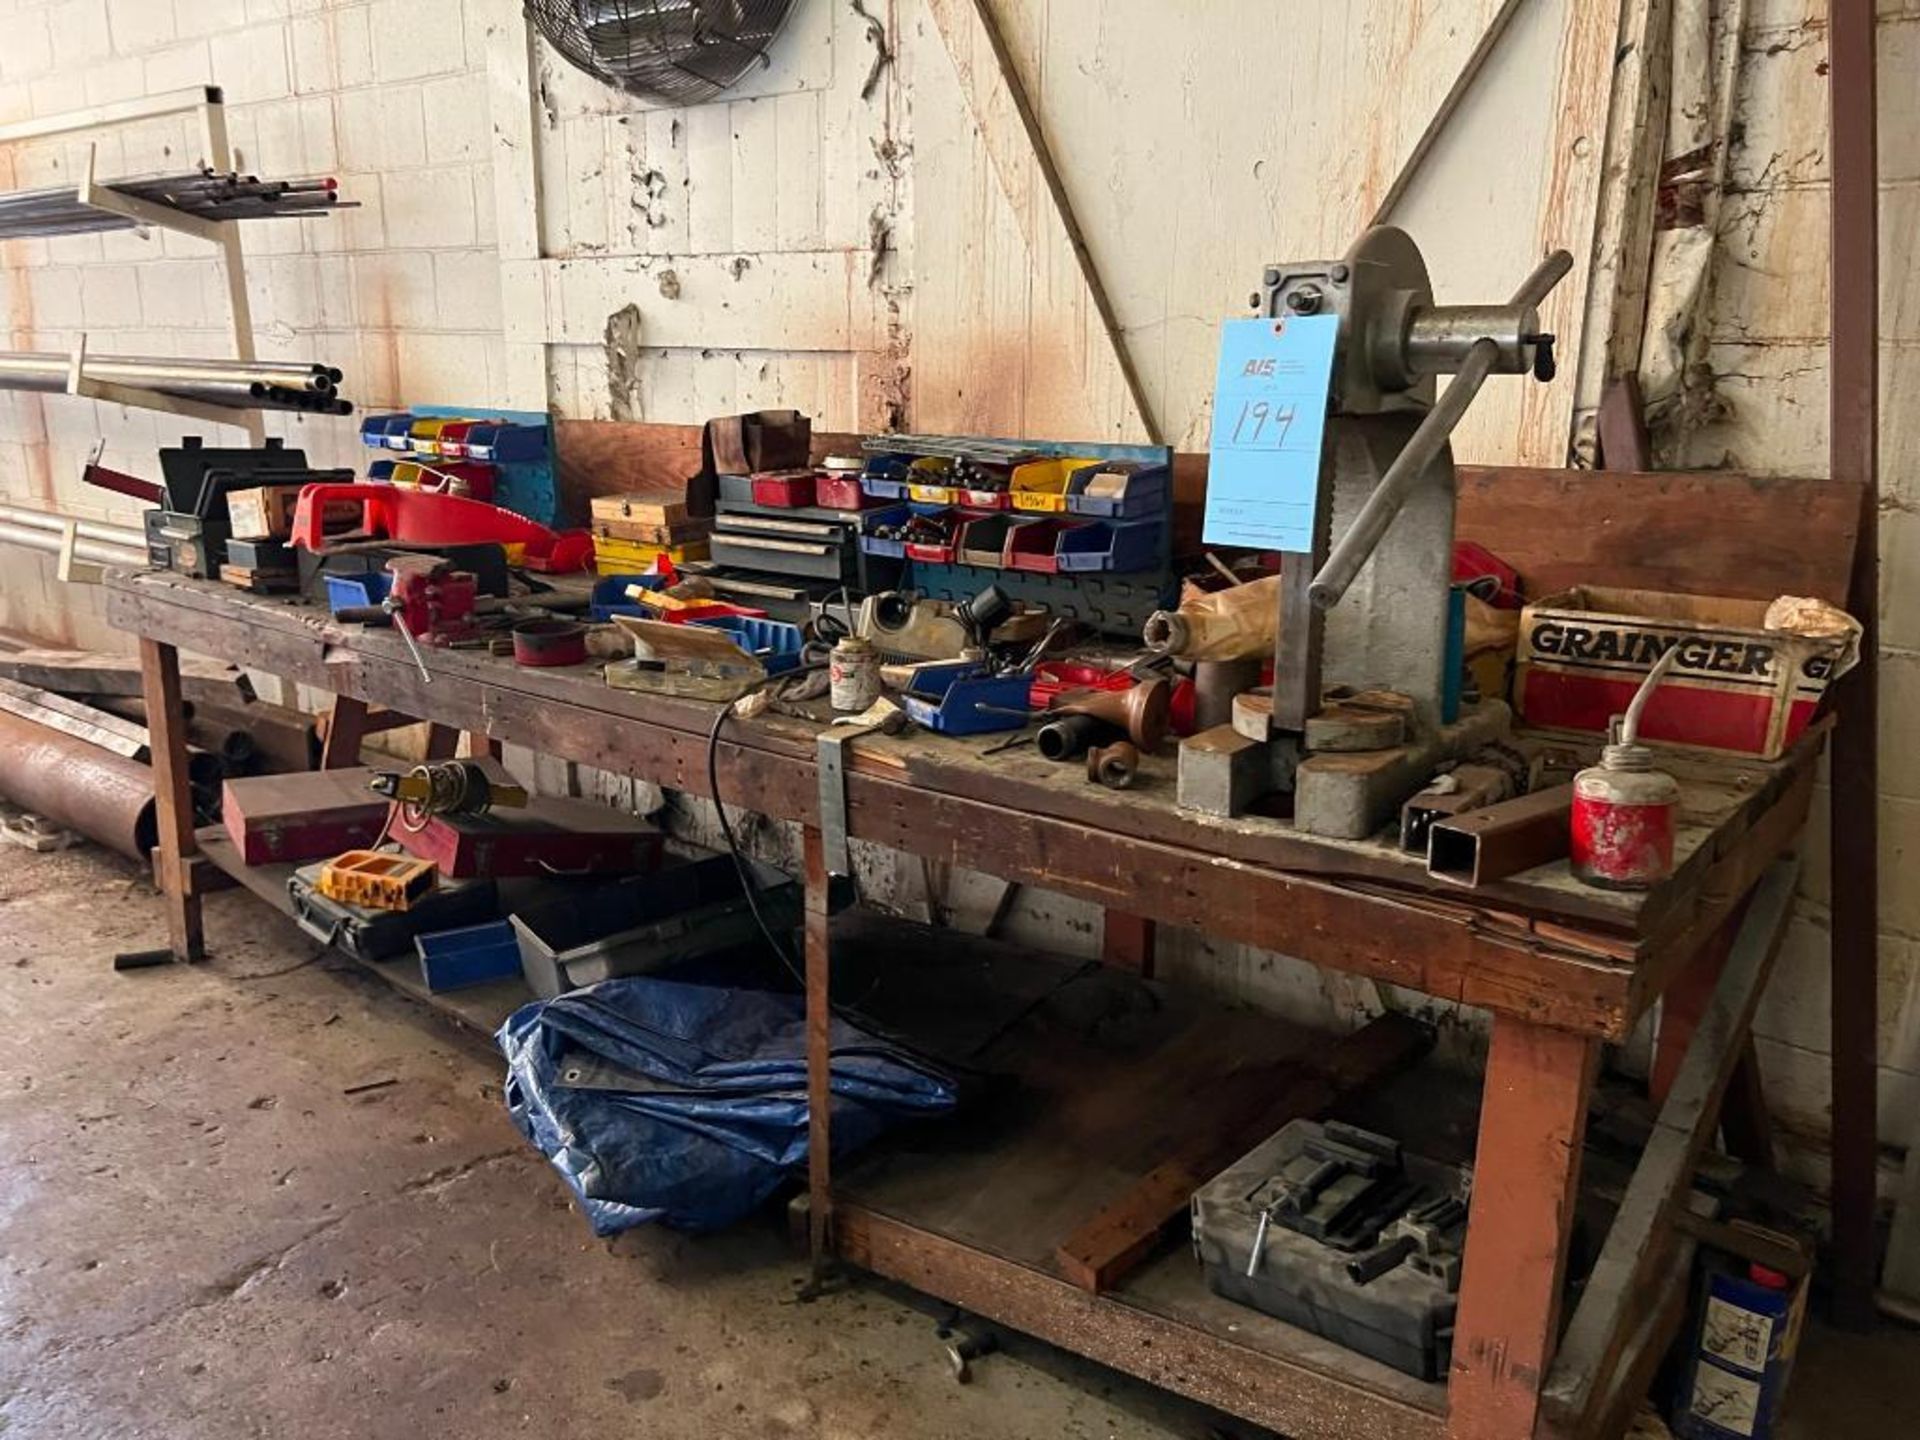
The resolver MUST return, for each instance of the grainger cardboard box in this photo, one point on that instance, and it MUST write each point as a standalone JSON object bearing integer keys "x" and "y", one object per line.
{"x": 1736, "y": 686}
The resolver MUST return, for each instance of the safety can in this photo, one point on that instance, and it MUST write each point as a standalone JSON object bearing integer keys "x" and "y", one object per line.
{"x": 853, "y": 675}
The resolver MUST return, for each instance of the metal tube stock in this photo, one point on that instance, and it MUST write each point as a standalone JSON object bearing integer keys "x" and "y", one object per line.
{"x": 1547, "y": 274}
{"x": 1354, "y": 548}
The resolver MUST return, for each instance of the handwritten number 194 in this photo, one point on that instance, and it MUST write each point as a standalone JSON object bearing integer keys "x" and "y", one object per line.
{"x": 1269, "y": 424}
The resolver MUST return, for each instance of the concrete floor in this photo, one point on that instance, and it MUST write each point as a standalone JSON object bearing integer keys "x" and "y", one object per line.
{"x": 202, "y": 1234}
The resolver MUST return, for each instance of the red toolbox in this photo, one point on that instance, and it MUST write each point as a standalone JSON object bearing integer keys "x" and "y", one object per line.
{"x": 280, "y": 819}
{"x": 550, "y": 836}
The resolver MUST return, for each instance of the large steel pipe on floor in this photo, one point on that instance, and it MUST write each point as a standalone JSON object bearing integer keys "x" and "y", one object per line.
{"x": 88, "y": 790}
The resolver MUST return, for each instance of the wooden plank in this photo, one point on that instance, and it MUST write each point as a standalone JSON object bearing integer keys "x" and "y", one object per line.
{"x": 346, "y": 728}
{"x": 1302, "y": 1399}
{"x": 88, "y": 672}
{"x": 173, "y": 803}
{"x": 1248, "y": 1106}
{"x": 1533, "y": 1121}
{"x": 1701, "y": 532}
{"x": 1622, "y": 428}
{"x": 1685, "y": 1002}
{"x": 1618, "y": 1290}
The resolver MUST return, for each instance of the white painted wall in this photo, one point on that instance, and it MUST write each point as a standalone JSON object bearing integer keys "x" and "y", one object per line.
{"x": 891, "y": 253}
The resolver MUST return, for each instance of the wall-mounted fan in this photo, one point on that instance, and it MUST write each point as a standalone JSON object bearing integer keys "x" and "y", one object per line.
{"x": 681, "y": 51}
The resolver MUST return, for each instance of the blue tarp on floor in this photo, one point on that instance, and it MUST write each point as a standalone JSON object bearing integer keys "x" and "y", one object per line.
{"x": 687, "y": 1104}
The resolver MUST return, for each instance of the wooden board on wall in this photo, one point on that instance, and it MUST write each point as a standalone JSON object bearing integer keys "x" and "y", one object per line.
{"x": 1697, "y": 531}
{"x": 613, "y": 457}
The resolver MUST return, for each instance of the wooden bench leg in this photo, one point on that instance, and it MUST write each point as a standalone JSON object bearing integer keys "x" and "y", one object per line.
{"x": 1533, "y": 1122}
{"x": 346, "y": 728}
{"x": 1748, "y": 1129}
{"x": 173, "y": 800}
{"x": 1126, "y": 943}
{"x": 443, "y": 742}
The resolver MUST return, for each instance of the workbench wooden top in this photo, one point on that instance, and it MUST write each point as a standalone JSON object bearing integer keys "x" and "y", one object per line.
{"x": 1539, "y": 943}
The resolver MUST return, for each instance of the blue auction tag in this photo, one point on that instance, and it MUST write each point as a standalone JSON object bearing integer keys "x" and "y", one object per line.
{"x": 1269, "y": 419}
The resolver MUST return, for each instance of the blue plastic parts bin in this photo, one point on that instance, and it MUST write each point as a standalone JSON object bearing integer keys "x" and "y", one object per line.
{"x": 1145, "y": 496}
{"x": 774, "y": 643}
{"x": 473, "y": 955}
{"x": 1104, "y": 545}
{"x": 947, "y": 697}
{"x": 346, "y": 591}
{"x": 889, "y": 515}
{"x": 610, "y": 596}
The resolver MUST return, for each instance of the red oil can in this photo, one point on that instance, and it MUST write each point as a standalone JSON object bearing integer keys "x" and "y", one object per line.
{"x": 1623, "y": 808}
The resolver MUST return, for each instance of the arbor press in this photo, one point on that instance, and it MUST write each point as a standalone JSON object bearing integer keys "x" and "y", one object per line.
{"x": 1368, "y": 604}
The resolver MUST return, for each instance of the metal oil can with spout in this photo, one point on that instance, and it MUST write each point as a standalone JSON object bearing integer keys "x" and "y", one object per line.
{"x": 1623, "y": 808}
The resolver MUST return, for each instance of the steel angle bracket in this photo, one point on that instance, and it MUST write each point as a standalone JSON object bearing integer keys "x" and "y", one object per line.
{"x": 832, "y": 766}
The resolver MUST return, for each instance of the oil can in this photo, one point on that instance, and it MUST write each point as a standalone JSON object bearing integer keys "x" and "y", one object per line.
{"x": 1623, "y": 808}
{"x": 1623, "y": 812}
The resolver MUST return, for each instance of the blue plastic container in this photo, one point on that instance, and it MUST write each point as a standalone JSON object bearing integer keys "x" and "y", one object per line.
{"x": 473, "y": 955}
{"x": 347, "y": 591}
{"x": 873, "y": 519}
{"x": 774, "y": 643}
{"x": 610, "y": 597}
{"x": 507, "y": 444}
{"x": 1105, "y": 545}
{"x": 374, "y": 429}
{"x": 1146, "y": 495}
{"x": 948, "y": 697}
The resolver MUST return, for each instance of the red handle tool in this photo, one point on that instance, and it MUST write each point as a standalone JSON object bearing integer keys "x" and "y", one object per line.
{"x": 422, "y": 517}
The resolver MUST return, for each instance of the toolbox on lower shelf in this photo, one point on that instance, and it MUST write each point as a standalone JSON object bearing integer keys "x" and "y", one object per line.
{"x": 551, "y": 835}
{"x": 381, "y": 934}
{"x": 685, "y": 909}
{"x": 1334, "y": 1229}
{"x": 308, "y": 815}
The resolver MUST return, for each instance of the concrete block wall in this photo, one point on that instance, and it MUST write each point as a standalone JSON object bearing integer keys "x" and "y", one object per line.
{"x": 403, "y": 293}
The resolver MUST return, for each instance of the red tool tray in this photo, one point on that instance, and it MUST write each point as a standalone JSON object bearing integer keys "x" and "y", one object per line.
{"x": 422, "y": 517}
{"x": 280, "y": 819}
{"x": 842, "y": 492}
{"x": 784, "y": 489}
{"x": 550, "y": 836}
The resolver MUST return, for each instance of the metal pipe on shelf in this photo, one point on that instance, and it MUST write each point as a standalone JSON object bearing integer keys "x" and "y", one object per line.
{"x": 100, "y": 552}
{"x": 105, "y": 532}
{"x": 157, "y": 372}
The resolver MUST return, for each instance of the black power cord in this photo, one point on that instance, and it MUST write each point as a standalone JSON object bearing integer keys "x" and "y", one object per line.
{"x": 734, "y": 848}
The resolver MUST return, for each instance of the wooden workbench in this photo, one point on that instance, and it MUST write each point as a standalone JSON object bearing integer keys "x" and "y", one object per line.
{"x": 1564, "y": 970}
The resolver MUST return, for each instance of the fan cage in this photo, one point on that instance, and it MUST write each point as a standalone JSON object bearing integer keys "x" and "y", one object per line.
{"x": 680, "y": 51}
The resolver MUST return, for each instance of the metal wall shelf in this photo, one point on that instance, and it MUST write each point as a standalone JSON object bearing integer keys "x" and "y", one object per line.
{"x": 208, "y": 104}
